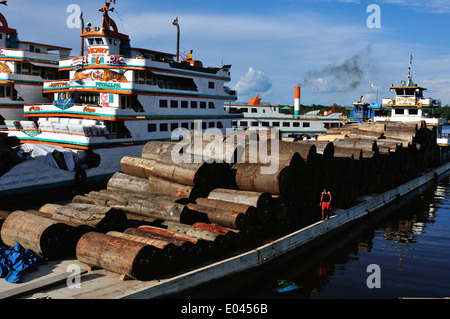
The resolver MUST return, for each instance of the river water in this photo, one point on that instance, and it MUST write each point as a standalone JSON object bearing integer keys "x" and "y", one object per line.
{"x": 410, "y": 246}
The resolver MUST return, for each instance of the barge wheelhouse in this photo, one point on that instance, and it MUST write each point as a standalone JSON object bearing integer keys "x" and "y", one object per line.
{"x": 411, "y": 105}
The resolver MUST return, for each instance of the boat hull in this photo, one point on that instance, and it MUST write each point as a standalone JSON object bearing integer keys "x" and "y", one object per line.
{"x": 33, "y": 175}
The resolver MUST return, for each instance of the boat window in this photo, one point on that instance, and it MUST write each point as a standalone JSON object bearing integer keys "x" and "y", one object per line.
{"x": 152, "y": 127}
{"x": 91, "y": 41}
{"x": 184, "y": 104}
{"x": 265, "y": 124}
{"x": 185, "y": 125}
{"x": 163, "y": 127}
{"x": 296, "y": 124}
{"x": 211, "y": 105}
{"x": 173, "y": 126}
{"x": 203, "y": 125}
{"x": 203, "y": 105}
{"x": 306, "y": 124}
{"x": 286, "y": 124}
{"x": 255, "y": 123}
{"x": 211, "y": 124}
{"x": 174, "y": 104}
{"x": 211, "y": 85}
{"x": 233, "y": 123}
{"x": 399, "y": 111}
{"x": 99, "y": 41}
{"x": 219, "y": 125}
{"x": 243, "y": 123}
{"x": 413, "y": 111}
{"x": 276, "y": 124}
{"x": 254, "y": 110}
{"x": 193, "y": 104}
{"x": 163, "y": 103}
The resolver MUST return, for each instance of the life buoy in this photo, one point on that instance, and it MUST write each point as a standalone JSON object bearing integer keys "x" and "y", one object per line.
{"x": 80, "y": 175}
{"x": 345, "y": 121}
{"x": 419, "y": 105}
{"x": 370, "y": 120}
{"x": 390, "y": 103}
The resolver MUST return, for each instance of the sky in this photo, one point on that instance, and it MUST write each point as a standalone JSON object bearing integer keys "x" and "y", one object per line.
{"x": 336, "y": 50}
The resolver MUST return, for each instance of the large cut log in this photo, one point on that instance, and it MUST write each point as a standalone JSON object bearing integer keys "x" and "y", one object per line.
{"x": 127, "y": 182}
{"x": 262, "y": 201}
{"x": 365, "y": 144}
{"x": 102, "y": 218}
{"x": 204, "y": 176}
{"x": 186, "y": 252}
{"x": 251, "y": 177}
{"x": 43, "y": 236}
{"x": 152, "y": 185}
{"x": 163, "y": 187}
{"x": 325, "y": 148}
{"x": 205, "y": 248}
{"x": 221, "y": 243}
{"x": 168, "y": 253}
{"x": 135, "y": 259}
{"x": 91, "y": 200}
{"x": 220, "y": 216}
{"x": 137, "y": 166}
{"x": 74, "y": 230}
{"x": 248, "y": 210}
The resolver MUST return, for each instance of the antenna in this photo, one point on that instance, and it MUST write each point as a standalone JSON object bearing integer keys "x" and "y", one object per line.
{"x": 175, "y": 23}
{"x": 82, "y": 30}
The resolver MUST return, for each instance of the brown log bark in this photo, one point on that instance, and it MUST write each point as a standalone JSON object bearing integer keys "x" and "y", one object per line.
{"x": 134, "y": 259}
{"x": 44, "y": 236}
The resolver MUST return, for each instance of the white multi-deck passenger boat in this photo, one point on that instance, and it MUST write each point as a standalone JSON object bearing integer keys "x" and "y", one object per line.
{"x": 257, "y": 114}
{"x": 410, "y": 105}
{"x": 23, "y": 68}
{"x": 115, "y": 100}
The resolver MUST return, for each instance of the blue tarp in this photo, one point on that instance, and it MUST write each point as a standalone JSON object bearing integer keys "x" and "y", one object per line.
{"x": 15, "y": 261}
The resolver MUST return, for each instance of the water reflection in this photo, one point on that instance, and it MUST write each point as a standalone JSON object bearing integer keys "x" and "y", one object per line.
{"x": 401, "y": 243}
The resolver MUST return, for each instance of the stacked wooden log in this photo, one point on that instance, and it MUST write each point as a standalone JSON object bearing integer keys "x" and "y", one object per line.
{"x": 182, "y": 206}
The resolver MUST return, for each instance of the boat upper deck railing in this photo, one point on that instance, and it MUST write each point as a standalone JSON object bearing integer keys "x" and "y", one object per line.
{"x": 57, "y": 56}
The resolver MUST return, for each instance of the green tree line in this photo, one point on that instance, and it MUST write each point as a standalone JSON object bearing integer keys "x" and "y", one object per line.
{"x": 441, "y": 111}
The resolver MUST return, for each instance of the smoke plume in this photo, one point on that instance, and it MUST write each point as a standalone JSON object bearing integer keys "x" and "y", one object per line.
{"x": 345, "y": 76}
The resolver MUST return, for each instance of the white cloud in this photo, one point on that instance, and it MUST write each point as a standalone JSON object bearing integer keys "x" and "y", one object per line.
{"x": 428, "y": 6}
{"x": 252, "y": 83}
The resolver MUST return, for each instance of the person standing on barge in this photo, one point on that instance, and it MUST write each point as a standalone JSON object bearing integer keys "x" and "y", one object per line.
{"x": 325, "y": 201}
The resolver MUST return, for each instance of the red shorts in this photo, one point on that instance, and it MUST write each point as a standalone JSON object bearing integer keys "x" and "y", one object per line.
{"x": 326, "y": 205}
